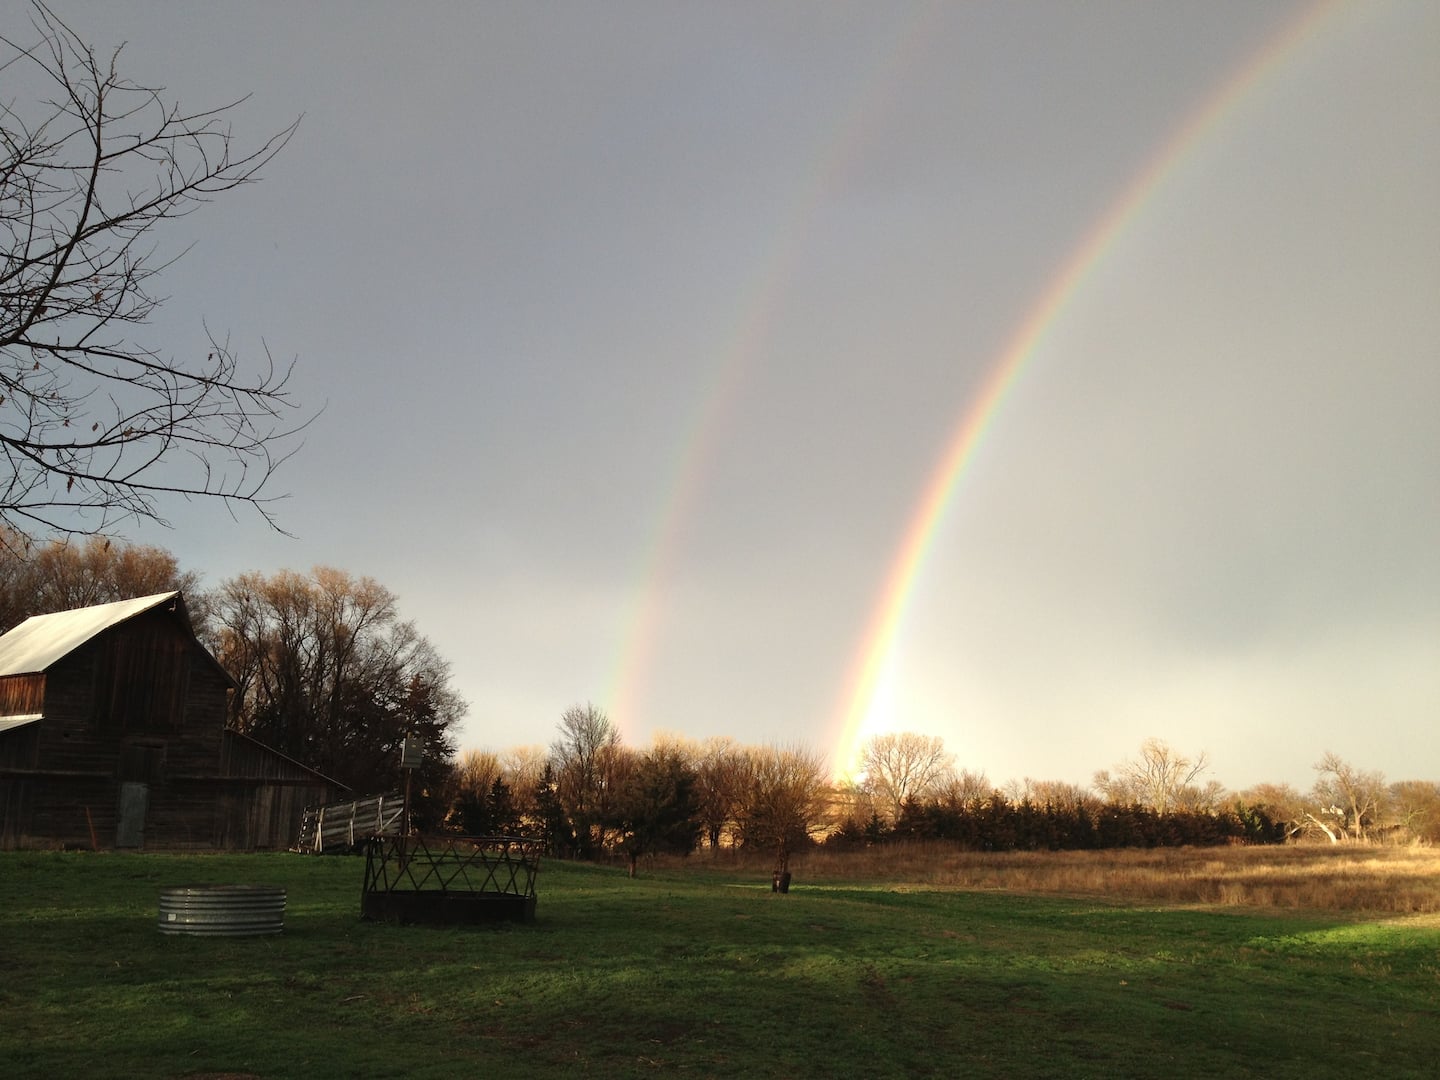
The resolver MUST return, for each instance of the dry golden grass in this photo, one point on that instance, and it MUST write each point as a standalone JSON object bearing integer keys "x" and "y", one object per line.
{"x": 1399, "y": 880}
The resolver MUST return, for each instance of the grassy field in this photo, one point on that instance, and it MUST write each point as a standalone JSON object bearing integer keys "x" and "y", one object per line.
{"x": 698, "y": 968}
{"x": 1342, "y": 877}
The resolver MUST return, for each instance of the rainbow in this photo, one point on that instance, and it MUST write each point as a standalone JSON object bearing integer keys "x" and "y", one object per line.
{"x": 869, "y": 687}
{"x": 643, "y": 620}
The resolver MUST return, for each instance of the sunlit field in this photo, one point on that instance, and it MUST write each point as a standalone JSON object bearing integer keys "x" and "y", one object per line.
{"x": 914, "y": 962}
{"x": 1400, "y": 880}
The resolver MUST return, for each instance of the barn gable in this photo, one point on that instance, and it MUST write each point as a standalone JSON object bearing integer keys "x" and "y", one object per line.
{"x": 41, "y": 640}
{"x": 112, "y": 733}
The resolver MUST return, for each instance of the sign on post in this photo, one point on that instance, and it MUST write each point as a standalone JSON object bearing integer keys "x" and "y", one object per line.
{"x": 412, "y": 756}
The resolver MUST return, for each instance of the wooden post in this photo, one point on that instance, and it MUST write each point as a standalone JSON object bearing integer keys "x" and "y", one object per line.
{"x": 405, "y": 813}
{"x": 412, "y": 754}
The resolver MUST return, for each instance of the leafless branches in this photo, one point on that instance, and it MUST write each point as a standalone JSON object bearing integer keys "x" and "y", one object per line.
{"x": 1160, "y": 778}
{"x": 1351, "y": 800}
{"x": 96, "y": 428}
{"x": 786, "y": 793}
{"x": 902, "y": 766}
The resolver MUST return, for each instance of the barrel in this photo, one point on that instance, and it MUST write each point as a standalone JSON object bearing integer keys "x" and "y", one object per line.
{"x": 222, "y": 910}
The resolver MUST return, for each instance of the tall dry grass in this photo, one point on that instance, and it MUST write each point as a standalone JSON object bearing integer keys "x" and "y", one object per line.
{"x": 1399, "y": 880}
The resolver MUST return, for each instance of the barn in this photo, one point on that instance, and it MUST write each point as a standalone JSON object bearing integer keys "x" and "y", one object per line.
{"x": 112, "y": 735}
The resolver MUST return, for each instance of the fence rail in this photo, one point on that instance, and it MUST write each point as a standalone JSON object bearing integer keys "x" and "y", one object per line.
{"x": 348, "y": 826}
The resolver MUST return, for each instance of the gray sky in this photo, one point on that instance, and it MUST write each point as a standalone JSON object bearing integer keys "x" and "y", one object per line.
{"x": 641, "y": 327}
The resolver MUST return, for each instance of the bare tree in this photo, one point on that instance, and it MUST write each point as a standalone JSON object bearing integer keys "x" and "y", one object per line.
{"x": 477, "y": 771}
{"x": 1158, "y": 778}
{"x": 60, "y": 575}
{"x": 585, "y": 762}
{"x": 722, "y": 768}
{"x": 658, "y": 807}
{"x": 1060, "y": 794}
{"x": 479, "y": 798}
{"x": 1349, "y": 801}
{"x": 1282, "y": 803}
{"x": 97, "y": 427}
{"x": 1204, "y": 798}
{"x": 785, "y": 797}
{"x": 329, "y": 673}
{"x": 1416, "y": 806}
{"x": 523, "y": 767}
{"x": 965, "y": 788}
{"x": 902, "y": 766}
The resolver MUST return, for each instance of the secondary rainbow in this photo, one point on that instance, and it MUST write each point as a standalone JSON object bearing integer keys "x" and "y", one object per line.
{"x": 868, "y": 686}
{"x": 644, "y": 618}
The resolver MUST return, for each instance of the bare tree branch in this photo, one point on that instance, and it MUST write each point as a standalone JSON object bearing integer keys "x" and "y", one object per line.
{"x": 901, "y": 766}
{"x": 1160, "y": 778}
{"x": 1354, "y": 799}
{"x": 96, "y": 428}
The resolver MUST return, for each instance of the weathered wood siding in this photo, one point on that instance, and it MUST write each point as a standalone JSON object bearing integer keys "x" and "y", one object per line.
{"x": 133, "y": 721}
{"x": 264, "y": 795}
{"x": 141, "y": 676}
{"x": 21, "y": 694}
{"x": 141, "y": 703}
{"x": 19, "y": 750}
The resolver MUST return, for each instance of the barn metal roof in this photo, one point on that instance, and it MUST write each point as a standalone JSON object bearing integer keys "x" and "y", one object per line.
{"x": 41, "y": 640}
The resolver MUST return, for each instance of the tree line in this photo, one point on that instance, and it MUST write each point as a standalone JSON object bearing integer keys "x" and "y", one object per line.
{"x": 329, "y": 673}
{"x": 326, "y": 670}
{"x": 910, "y": 788}
{"x": 590, "y": 796}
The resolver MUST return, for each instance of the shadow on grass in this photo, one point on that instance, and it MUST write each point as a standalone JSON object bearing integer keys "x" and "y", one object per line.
{"x": 695, "y": 974}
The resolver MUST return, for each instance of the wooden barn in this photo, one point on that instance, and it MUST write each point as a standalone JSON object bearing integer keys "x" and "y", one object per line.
{"x": 112, "y": 735}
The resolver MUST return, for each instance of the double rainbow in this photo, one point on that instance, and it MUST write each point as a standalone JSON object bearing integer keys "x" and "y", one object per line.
{"x": 860, "y": 713}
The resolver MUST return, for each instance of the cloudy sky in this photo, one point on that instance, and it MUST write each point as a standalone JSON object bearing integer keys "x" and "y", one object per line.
{"x": 643, "y": 332}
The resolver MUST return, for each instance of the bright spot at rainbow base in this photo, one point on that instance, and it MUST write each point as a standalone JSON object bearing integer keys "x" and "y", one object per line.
{"x": 879, "y": 718}
{"x": 872, "y": 708}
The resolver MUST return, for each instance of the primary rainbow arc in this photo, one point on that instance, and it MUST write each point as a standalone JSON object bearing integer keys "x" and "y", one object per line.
{"x": 869, "y": 683}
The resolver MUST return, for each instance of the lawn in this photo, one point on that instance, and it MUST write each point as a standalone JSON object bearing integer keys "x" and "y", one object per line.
{"x": 699, "y": 968}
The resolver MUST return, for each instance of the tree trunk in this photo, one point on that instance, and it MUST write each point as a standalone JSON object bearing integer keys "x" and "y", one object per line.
{"x": 1325, "y": 828}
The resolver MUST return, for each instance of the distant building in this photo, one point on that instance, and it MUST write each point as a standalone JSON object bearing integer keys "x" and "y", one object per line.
{"x": 112, "y": 735}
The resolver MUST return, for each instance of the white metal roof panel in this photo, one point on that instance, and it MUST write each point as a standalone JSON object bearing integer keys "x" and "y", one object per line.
{"x": 41, "y": 640}
{"x": 9, "y": 722}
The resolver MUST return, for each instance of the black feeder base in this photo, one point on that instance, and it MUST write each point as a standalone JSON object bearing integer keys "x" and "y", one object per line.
{"x": 446, "y": 908}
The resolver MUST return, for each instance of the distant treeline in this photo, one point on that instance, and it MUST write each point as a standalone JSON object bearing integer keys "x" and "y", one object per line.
{"x": 995, "y": 823}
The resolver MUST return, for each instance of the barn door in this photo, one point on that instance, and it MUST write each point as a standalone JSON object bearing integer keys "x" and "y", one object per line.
{"x": 141, "y": 764}
{"x": 134, "y": 801}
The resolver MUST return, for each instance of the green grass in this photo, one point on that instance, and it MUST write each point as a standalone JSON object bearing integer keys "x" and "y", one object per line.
{"x": 696, "y": 970}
